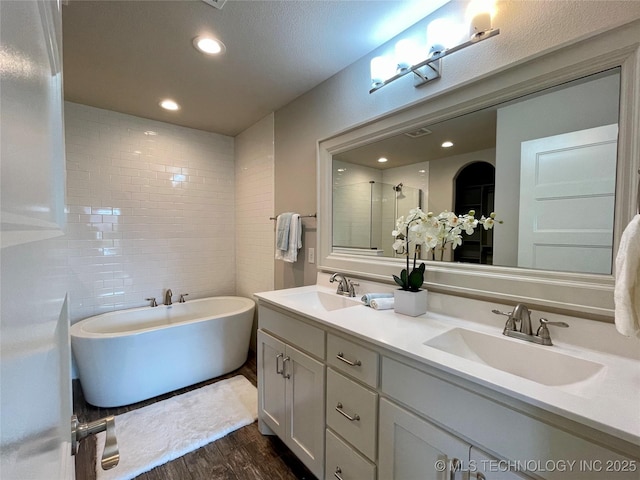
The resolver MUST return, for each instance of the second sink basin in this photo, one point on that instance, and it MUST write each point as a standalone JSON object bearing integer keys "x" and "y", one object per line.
{"x": 323, "y": 301}
{"x": 533, "y": 362}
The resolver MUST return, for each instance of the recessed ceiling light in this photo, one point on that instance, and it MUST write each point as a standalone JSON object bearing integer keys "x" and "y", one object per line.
{"x": 447, "y": 144}
{"x": 209, "y": 45}
{"x": 169, "y": 105}
{"x": 342, "y": 170}
{"x": 382, "y": 160}
{"x": 150, "y": 132}
{"x": 422, "y": 171}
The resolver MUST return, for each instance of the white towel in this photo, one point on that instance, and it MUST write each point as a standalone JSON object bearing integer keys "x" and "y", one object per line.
{"x": 626, "y": 294}
{"x": 295, "y": 241}
{"x": 283, "y": 223}
{"x": 382, "y": 303}
{"x": 368, "y": 297}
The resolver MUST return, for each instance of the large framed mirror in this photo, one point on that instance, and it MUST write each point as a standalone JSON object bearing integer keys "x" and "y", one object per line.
{"x": 550, "y": 145}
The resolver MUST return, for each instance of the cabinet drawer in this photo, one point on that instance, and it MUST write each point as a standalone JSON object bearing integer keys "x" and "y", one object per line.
{"x": 294, "y": 331}
{"x": 343, "y": 460}
{"x": 352, "y": 359}
{"x": 359, "y": 404}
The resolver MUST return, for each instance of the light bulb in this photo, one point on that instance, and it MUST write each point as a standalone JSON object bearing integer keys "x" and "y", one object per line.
{"x": 478, "y": 15}
{"x": 442, "y": 33}
{"x": 169, "y": 105}
{"x": 382, "y": 68}
{"x": 209, "y": 46}
{"x": 407, "y": 54}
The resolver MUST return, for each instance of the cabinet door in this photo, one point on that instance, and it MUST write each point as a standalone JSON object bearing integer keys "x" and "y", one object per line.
{"x": 486, "y": 467}
{"x": 411, "y": 448}
{"x": 305, "y": 401}
{"x": 271, "y": 384}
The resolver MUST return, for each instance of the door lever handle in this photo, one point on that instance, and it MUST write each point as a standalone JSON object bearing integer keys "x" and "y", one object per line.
{"x": 80, "y": 431}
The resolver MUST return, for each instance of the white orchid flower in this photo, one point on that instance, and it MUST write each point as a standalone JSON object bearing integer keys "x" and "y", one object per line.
{"x": 433, "y": 231}
{"x": 469, "y": 224}
{"x": 488, "y": 223}
{"x": 398, "y": 246}
{"x": 456, "y": 240}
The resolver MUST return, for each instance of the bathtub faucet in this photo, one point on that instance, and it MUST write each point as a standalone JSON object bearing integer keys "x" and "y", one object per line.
{"x": 153, "y": 301}
{"x": 167, "y": 297}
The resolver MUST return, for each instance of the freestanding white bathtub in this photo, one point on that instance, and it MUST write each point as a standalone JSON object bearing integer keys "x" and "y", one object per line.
{"x": 128, "y": 356}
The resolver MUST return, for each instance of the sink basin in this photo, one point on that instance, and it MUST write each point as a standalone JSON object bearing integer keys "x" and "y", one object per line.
{"x": 539, "y": 364}
{"x": 323, "y": 301}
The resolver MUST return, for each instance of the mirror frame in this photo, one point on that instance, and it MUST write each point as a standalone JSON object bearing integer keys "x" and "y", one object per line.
{"x": 588, "y": 295}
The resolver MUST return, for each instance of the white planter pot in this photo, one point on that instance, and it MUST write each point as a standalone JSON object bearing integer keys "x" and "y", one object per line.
{"x": 410, "y": 303}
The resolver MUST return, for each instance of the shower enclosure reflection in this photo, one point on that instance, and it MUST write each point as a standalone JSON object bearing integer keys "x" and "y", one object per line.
{"x": 365, "y": 213}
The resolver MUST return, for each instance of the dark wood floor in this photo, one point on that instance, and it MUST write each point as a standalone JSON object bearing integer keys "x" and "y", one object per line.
{"x": 242, "y": 455}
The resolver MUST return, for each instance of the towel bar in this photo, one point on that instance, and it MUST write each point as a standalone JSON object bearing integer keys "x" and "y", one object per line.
{"x": 312, "y": 215}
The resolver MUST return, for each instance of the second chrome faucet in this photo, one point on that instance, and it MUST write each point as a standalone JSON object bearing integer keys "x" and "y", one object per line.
{"x": 522, "y": 315}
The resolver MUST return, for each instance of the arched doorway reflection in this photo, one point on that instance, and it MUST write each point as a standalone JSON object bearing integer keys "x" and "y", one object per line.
{"x": 475, "y": 190}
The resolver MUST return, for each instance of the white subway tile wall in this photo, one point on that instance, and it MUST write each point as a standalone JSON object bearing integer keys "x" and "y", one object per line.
{"x": 150, "y": 206}
{"x": 254, "y": 205}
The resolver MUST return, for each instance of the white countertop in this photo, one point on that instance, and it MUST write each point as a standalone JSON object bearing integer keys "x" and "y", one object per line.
{"x": 608, "y": 402}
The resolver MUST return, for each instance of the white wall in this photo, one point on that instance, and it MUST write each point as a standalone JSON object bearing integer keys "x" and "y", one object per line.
{"x": 254, "y": 236}
{"x": 527, "y": 29}
{"x": 145, "y": 213}
{"x": 255, "y": 245}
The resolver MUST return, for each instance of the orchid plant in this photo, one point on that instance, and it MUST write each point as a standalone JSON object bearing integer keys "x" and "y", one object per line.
{"x": 432, "y": 232}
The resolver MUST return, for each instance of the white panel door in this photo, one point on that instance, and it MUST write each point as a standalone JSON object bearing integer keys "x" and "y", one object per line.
{"x": 411, "y": 448}
{"x": 35, "y": 382}
{"x": 305, "y": 401}
{"x": 567, "y": 193}
{"x": 271, "y": 396}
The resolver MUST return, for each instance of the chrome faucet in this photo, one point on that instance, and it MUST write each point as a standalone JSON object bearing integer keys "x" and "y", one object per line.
{"x": 523, "y": 315}
{"x": 167, "y": 297}
{"x": 345, "y": 287}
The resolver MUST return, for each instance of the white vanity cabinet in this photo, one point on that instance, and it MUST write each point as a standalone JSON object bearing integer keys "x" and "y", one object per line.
{"x": 533, "y": 443}
{"x": 352, "y": 409}
{"x": 291, "y": 392}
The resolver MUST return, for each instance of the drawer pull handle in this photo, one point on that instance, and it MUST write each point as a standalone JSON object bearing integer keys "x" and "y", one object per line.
{"x": 284, "y": 362}
{"x": 355, "y": 417}
{"x": 340, "y": 357}
{"x": 278, "y": 369}
{"x": 337, "y": 473}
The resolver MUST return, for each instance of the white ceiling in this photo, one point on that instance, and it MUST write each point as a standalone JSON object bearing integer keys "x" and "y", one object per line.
{"x": 128, "y": 55}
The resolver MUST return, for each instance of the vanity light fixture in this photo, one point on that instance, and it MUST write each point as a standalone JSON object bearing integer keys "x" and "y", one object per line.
{"x": 169, "y": 104}
{"x": 209, "y": 45}
{"x": 442, "y": 39}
